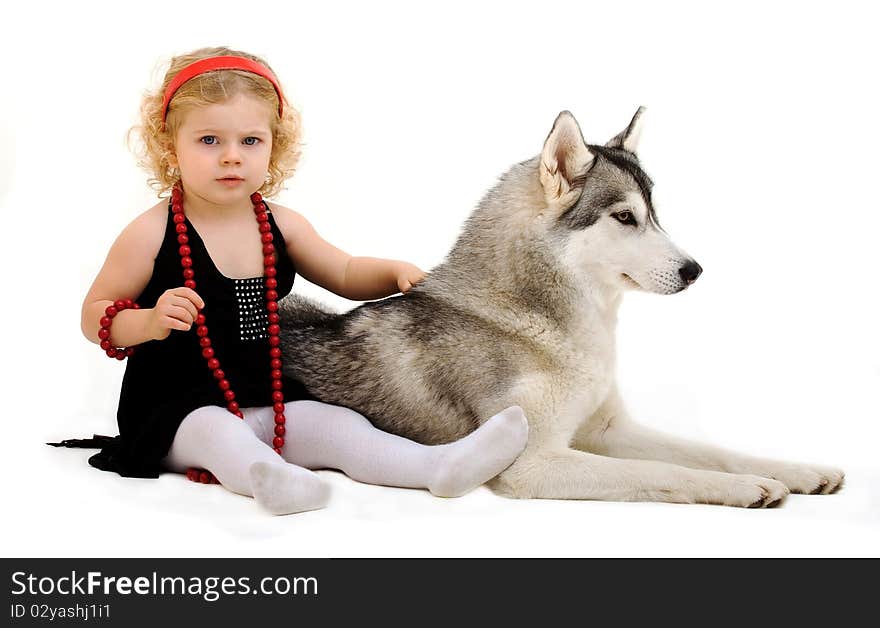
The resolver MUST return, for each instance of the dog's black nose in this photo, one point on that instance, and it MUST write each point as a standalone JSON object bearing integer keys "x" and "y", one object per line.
{"x": 690, "y": 271}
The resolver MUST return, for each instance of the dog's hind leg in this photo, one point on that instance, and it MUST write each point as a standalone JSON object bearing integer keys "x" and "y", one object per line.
{"x": 571, "y": 474}
{"x": 610, "y": 432}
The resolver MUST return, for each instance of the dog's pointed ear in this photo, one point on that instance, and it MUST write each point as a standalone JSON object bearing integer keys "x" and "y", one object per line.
{"x": 628, "y": 139}
{"x": 564, "y": 161}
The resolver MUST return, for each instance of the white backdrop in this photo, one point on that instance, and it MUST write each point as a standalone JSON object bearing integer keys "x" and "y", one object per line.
{"x": 760, "y": 135}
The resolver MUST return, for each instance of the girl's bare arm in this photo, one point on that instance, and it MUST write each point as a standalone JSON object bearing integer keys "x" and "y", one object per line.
{"x": 124, "y": 275}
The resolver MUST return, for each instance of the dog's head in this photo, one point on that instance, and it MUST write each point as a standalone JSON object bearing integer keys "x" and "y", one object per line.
{"x": 599, "y": 200}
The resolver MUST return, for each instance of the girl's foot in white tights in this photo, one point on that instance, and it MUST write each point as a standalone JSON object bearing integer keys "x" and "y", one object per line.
{"x": 481, "y": 455}
{"x": 283, "y": 488}
{"x": 211, "y": 438}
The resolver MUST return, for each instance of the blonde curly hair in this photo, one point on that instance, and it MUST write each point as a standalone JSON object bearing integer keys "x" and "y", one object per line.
{"x": 156, "y": 138}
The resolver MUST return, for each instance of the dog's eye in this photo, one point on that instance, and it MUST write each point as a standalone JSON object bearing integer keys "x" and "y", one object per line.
{"x": 626, "y": 217}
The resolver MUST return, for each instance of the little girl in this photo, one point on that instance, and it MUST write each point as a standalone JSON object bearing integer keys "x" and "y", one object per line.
{"x": 189, "y": 294}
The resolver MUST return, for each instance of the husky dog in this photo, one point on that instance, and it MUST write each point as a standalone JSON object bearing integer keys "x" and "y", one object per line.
{"x": 523, "y": 312}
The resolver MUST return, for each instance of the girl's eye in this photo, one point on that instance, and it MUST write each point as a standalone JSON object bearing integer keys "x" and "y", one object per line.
{"x": 626, "y": 217}
{"x": 210, "y": 140}
{"x": 250, "y": 141}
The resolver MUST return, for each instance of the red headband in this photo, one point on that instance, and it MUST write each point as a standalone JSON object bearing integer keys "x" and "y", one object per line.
{"x": 220, "y": 63}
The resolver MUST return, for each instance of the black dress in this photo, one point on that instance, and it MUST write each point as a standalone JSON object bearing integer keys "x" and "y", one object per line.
{"x": 167, "y": 379}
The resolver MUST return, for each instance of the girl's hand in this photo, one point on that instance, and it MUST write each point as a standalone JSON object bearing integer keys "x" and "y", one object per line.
{"x": 177, "y": 308}
{"x": 407, "y": 276}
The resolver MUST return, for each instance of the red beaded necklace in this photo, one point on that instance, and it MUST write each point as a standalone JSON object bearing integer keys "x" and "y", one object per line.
{"x": 274, "y": 329}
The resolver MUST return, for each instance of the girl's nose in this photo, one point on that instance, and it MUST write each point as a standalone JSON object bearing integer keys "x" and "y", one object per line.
{"x": 231, "y": 156}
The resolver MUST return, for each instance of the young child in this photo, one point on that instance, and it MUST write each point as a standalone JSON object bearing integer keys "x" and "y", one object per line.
{"x": 191, "y": 288}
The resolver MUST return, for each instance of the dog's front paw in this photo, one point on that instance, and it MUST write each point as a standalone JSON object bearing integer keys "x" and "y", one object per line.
{"x": 753, "y": 491}
{"x": 809, "y": 479}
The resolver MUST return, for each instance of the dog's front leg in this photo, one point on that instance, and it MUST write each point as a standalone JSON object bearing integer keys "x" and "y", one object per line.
{"x": 611, "y": 432}
{"x": 571, "y": 474}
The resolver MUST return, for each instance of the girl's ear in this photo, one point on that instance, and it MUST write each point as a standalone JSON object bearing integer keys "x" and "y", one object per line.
{"x": 168, "y": 143}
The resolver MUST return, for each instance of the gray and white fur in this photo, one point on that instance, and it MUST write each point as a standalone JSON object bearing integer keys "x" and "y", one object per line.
{"x": 523, "y": 312}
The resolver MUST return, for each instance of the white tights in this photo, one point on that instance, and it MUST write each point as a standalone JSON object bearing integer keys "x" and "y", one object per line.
{"x": 322, "y": 436}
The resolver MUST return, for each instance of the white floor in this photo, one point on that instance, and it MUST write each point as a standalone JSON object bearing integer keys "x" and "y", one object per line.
{"x": 79, "y": 511}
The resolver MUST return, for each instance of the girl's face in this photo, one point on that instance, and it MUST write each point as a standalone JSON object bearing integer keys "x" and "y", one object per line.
{"x": 223, "y": 150}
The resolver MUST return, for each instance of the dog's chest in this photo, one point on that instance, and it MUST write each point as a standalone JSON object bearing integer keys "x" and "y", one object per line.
{"x": 587, "y": 385}
{"x": 588, "y": 355}
{"x": 579, "y": 380}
